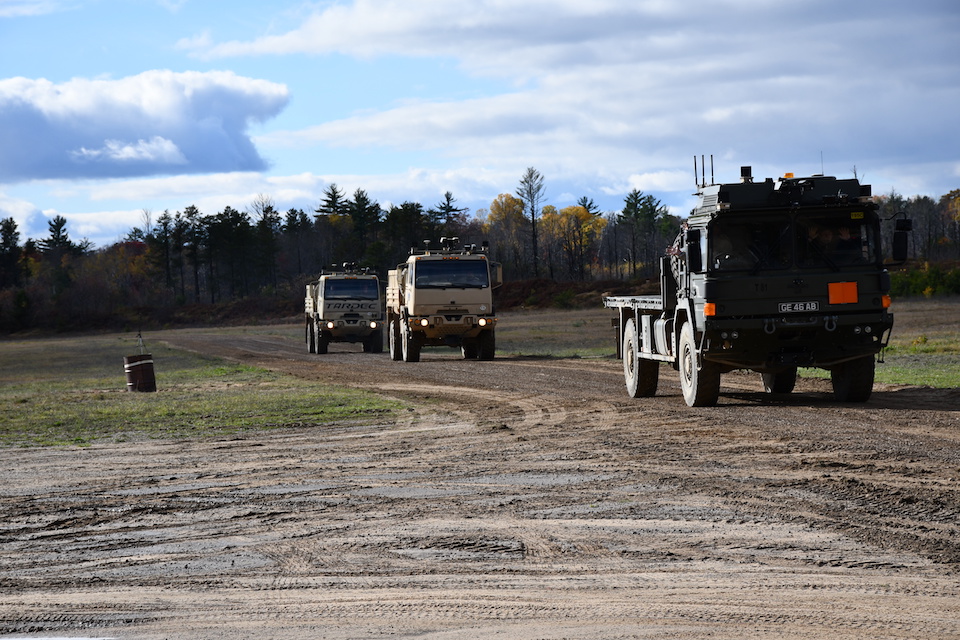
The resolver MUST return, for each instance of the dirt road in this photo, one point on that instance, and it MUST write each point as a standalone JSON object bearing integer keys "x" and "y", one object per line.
{"x": 524, "y": 498}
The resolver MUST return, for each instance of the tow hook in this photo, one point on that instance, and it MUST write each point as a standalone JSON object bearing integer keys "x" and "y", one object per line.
{"x": 769, "y": 326}
{"x": 830, "y": 323}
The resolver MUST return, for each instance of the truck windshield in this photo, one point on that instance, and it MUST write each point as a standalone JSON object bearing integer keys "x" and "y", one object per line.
{"x": 351, "y": 289}
{"x": 750, "y": 244}
{"x": 808, "y": 241}
{"x": 836, "y": 241}
{"x": 456, "y": 274}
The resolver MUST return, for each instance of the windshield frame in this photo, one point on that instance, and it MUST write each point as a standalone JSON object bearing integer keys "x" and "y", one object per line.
{"x": 778, "y": 241}
{"x": 351, "y": 289}
{"x": 451, "y": 273}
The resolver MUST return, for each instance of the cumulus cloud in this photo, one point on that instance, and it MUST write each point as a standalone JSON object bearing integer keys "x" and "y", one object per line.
{"x": 156, "y": 122}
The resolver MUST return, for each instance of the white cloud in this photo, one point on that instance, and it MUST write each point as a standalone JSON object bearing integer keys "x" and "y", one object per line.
{"x": 195, "y": 122}
{"x": 611, "y": 88}
{"x": 22, "y": 8}
{"x": 157, "y": 150}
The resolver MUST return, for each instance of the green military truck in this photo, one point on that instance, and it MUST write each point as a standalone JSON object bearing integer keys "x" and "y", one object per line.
{"x": 344, "y": 306}
{"x": 766, "y": 276}
{"x": 443, "y": 297}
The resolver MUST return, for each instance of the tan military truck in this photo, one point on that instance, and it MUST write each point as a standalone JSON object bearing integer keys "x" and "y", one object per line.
{"x": 443, "y": 297}
{"x": 344, "y": 306}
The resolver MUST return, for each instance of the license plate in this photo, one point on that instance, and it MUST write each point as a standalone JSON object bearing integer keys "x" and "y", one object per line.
{"x": 799, "y": 307}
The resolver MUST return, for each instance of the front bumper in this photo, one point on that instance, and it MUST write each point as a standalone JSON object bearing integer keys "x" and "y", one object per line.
{"x": 775, "y": 343}
{"x": 439, "y": 329}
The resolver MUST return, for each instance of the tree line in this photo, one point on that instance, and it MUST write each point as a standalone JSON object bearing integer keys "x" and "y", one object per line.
{"x": 190, "y": 257}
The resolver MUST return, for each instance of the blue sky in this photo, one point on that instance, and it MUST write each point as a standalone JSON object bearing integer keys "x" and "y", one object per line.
{"x": 110, "y": 109}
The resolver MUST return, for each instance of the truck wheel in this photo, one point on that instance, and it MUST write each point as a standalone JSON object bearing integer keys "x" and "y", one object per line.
{"x": 469, "y": 349}
{"x": 411, "y": 347}
{"x": 853, "y": 380}
{"x": 701, "y": 387}
{"x": 486, "y": 345}
{"x": 393, "y": 337}
{"x": 323, "y": 341}
{"x": 780, "y": 382}
{"x": 376, "y": 341}
{"x": 641, "y": 375}
{"x": 373, "y": 343}
{"x": 311, "y": 338}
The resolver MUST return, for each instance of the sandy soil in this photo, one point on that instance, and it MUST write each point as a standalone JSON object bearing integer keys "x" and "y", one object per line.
{"x": 523, "y": 498}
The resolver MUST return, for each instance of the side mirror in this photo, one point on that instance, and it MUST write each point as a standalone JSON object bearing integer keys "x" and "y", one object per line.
{"x": 899, "y": 249}
{"x": 496, "y": 274}
{"x": 901, "y": 235}
{"x": 694, "y": 252}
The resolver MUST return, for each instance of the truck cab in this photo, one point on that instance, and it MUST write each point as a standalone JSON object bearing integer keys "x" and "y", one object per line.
{"x": 443, "y": 297}
{"x": 344, "y": 306}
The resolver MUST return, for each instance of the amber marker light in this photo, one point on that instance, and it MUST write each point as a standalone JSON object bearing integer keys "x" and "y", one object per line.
{"x": 710, "y": 309}
{"x": 885, "y": 301}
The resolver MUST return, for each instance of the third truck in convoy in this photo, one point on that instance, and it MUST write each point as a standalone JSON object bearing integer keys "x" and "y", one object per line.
{"x": 344, "y": 305}
{"x": 766, "y": 276}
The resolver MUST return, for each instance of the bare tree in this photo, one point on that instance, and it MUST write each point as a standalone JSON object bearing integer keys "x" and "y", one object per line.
{"x": 531, "y": 193}
{"x": 261, "y": 207}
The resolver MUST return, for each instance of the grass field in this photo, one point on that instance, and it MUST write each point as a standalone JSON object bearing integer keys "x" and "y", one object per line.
{"x": 73, "y": 391}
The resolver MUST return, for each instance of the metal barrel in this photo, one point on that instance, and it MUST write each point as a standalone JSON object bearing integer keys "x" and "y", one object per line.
{"x": 139, "y": 370}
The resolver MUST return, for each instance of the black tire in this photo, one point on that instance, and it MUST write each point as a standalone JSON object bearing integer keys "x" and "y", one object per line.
{"x": 640, "y": 375}
{"x": 853, "y": 380}
{"x": 469, "y": 349}
{"x": 373, "y": 343}
{"x": 323, "y": 341}
{"x": 487, "y": 345}
{"x": 311, "y": 337}
{"x": 780, "y": 382}
{"x": 701, "y": 387}
{"x": 410, "y": 345}
{"x": 393, "y": 338}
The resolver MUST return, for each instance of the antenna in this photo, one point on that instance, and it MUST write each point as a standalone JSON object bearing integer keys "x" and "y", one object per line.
{"x": 712, "y": 181}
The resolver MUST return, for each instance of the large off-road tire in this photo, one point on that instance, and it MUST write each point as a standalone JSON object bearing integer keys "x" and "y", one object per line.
{"x": 393, "y": 338}
{"x": 641, "y": 375}
{"x": 373, "y": 343}
{"x": 701, "y": 386}
{"x": 853, "y": 380}
{"x": 311, "y": 337}
{"x": 323, "y": 340}
{"x": 780, "y": 382}
{"x": 487, "y": 345}
{"x": 469, "y": 349}
{"x": 410, "y": 344}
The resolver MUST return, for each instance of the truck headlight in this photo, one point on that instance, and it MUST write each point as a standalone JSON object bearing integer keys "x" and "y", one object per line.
{"x": 330, "y": 324}
{"x": 424, "y": 322}
{"x": 482, "y": 322}
{"x": 373, "y": 324}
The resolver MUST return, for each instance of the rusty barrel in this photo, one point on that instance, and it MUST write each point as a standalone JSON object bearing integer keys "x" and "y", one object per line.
{"x": 139, "y": 370}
